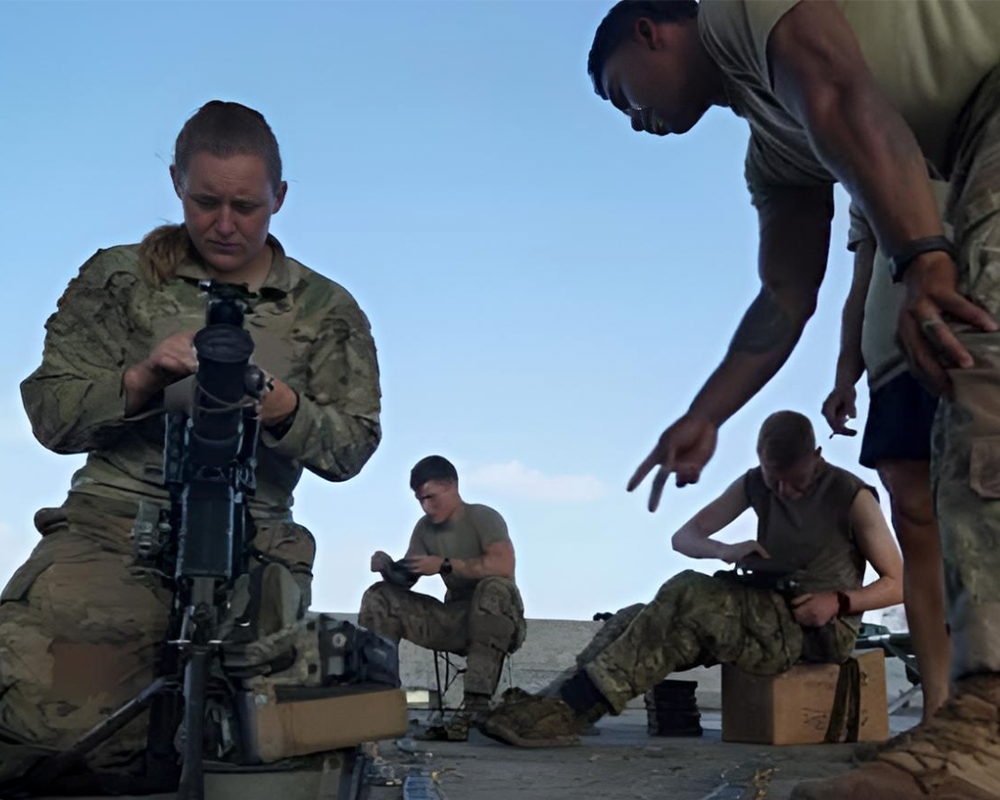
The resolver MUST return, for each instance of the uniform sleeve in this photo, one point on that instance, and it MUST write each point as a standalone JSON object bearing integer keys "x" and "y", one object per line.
{"x": 491, "y": 528}
{"x": 417, "y": 547}
{"x": 736, "y": 33}
{"x": 860, "y": 230}
{"x": 336, "y": 426}
{"x": 754, "y": 487}
{"x": 75, "y": 399}
{"x": 772, "y": 164}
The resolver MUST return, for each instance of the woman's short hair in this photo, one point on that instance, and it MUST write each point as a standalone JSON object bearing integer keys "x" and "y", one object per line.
{"x": 224, "y": 129}
{"x": 785, "y": 438}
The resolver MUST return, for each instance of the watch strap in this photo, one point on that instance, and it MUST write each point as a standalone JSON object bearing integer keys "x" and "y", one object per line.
{"x": 902, "y": 258}
{"x": 843, "y": 604}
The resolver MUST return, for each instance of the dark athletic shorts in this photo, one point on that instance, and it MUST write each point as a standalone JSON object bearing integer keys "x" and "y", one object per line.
{"x": 900, "y": 415}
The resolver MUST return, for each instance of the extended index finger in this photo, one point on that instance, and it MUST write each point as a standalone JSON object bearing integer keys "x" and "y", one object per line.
{"x": 654, "y": 459}
{"x": 656, "y": 492}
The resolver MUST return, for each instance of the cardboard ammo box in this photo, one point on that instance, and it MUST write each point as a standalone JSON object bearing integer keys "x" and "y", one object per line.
{"x": 285, "y": 721}
{"x": 795, "y": 706}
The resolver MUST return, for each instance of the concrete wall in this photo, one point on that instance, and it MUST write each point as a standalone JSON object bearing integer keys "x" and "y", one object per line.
{"x": 549, "y": 649}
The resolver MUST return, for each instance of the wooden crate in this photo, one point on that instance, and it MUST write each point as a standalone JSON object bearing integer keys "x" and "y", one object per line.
{"x": 794, "y": 707}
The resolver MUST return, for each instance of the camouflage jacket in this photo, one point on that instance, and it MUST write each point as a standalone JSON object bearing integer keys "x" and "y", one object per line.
{"x": 308, "y": 330}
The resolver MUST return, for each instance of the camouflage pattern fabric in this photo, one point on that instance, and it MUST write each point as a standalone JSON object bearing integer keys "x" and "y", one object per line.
{"x": 700, "y": 620}
{"x": 308, "y": 331}
{"x": 81, "y": 628}
{"x": 965, "y": 447}
{"x": 484, "y": 629}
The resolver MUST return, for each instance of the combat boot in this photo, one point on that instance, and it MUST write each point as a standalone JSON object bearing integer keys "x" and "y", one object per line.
{"x": 527, "y": 720}
{"x": 534, "y": 722}
{"x": 456, "y": 729}
{"x": 955, "y": 756}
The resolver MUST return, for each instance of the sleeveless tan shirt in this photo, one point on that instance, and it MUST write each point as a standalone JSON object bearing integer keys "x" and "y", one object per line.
{"x": 812, "y": 535}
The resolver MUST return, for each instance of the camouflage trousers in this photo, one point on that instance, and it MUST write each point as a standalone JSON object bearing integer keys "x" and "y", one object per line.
{"x": 965, "y": 451}
{"x": 484, "y": 628}
{"x": 81, "y": 629}
{"x": 701, "y": 620}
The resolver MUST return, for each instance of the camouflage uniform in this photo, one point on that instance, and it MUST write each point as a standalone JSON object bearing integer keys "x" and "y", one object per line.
{"x": 701, "y": 620}
{"x": 694, "y": 620}
{"x": 481, "y": 619}
{"x": 80, "y": 627}
{"x": 965, "y": 460}
{"x": 484, "y": 628}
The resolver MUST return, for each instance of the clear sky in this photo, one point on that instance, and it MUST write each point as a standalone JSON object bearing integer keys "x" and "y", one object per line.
{"x": 547, "y": 289}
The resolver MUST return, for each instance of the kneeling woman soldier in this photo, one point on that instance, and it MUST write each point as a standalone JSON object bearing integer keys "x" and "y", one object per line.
{"x": 80, "y": 628}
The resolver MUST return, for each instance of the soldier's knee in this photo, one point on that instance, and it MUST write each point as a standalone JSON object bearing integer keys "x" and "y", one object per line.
{"x": 496, "y": 614}
{"x": 376, "y": 605}
{"x": 683, "y": 582}
{"x": 495, "y": 595}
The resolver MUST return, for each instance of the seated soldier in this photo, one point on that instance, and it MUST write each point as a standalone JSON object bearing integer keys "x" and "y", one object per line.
{"x": 482, "y": 617}
{"x": 818, "y": 526}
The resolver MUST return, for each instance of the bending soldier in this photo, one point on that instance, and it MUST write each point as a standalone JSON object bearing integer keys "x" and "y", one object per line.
{"x": 818, "y": 526}
{"x": 482, "y": 617}
{"x": 863, "y": 94}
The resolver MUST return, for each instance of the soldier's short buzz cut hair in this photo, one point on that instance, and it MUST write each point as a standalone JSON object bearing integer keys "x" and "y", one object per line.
{"x": 432, "y": 468}
{"x": 617, "y": 25}
{"x": 785, "y": 438}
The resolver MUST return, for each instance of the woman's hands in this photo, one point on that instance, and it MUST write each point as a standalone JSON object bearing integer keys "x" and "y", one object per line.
{"x": 171, "y": 360}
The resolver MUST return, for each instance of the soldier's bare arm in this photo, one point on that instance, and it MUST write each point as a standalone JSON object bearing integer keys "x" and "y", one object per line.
{"x": 839, "y": 405}
{"x": 693, "y": 539}
{"x": 820, "y": 75}
{"x": 497, "y": 561}
{"x": 877, "y": 545}
{"x": 794, "y": 242}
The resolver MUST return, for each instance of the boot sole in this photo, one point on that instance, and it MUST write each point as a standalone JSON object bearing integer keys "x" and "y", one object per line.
{"x": 506, "y": 736}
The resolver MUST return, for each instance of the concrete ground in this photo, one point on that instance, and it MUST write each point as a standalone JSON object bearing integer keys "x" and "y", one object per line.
{"x": 622, "y": 763}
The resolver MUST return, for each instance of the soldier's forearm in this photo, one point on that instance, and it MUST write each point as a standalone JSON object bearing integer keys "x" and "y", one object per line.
{"x": 763, "y": 341}
{"x": 850, "y": 364}
{"x": 882, "y": 593}
{"x": 693, "y": 542}
{"x": 482, "y": 567}
{"x": 735, "y": 381}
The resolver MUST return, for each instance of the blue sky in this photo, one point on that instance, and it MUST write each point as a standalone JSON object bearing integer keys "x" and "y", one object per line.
{"x": 547, "y": 289}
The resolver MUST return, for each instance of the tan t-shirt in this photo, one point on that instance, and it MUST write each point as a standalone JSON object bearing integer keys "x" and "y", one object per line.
{"x": 883, "y": 358}
{"x": 466, "y": 534}
{"x": 927, "y": 57}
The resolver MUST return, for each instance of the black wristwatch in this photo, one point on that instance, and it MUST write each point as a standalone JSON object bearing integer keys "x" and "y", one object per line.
{"x": 900, "y": 260}
{"x": 445, "y": 567}
{"x": 843, "y": 604}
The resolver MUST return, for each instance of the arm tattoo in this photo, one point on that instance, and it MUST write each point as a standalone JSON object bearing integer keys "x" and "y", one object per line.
{"x": 765, "y": 327}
